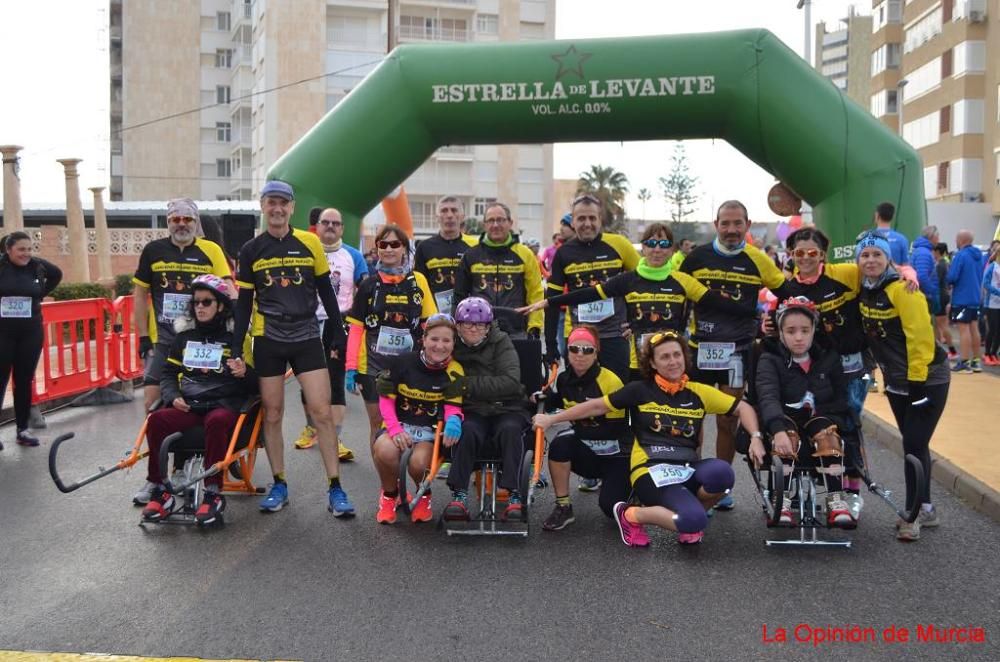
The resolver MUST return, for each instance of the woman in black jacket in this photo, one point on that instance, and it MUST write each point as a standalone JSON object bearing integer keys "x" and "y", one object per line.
{"x": 801, "y": 393}
{"x": 198, "y": 387}
{"x": 24, "y": 282}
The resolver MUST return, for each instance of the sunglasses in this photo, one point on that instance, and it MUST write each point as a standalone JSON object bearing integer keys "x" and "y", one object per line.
{"x": 332, "y": 224}
{"x": 657, "y": 243}
{"x": 806, "y": 252}
{"x": 586, "y": 350}
{"x": 663, "y": 336}
{"x": 586, "y": 197}
{"x": 204, "y": 303}
{"x": 391, "y": 243}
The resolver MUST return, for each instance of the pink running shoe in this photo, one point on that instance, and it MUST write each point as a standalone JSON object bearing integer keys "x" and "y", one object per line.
{"x": 633, "y": 535}
{"x": 690, "y": 538}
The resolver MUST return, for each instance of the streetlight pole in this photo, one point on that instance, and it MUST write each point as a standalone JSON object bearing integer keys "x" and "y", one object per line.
{"x": 806, "y": 51}
{"x": 899, "y": 103}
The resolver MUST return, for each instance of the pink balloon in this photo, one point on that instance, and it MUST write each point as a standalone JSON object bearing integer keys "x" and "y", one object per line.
{"x": 795, "y": 222}
{"x": 782, "y": 231}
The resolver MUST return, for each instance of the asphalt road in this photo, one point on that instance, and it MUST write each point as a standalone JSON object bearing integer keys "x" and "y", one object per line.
{"x": 77, "y": 574}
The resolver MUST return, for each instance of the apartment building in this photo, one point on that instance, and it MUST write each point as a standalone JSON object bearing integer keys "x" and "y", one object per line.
{"x": 257, "y": 74}
{"x": 936, "y": 74}
{"x": 843, "y": 54}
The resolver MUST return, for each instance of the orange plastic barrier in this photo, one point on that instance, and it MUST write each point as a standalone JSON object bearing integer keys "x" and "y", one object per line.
{"x": 88, "y": 343}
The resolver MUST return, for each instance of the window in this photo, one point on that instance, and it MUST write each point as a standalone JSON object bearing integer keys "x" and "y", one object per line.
{"x": 221, "y": 94}
{"x": 530, "y": 175}
{"x": 223, "y": 168}
{"x": 480, "y": 205}
{"x": 942, "y": 176}
{"x": 884, "y": 103}
{"x": 944, "y": 123}
{"x": 923, "y": 131}
{"x": 532, "y": 30}
{"x": 968, "y": 116}
{"x": 886, "y": 12}
{"x": 947, "y": 59}
{"x": 223, "y": 132}
{"x": 488, "y": 23}
{"x": 223, "y": 58}
{"x": 923, "y": 30}
{"x": 222, "y": 21}
{"x": 924, "y": 79}
{"x": 486, "y": 171}
{"x": 529, "y": 212}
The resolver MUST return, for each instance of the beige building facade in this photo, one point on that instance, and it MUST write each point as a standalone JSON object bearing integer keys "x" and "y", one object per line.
{"x": 228, "y": 56}
{"x": 942, "y": 77}
{"x": 843, "y": 54}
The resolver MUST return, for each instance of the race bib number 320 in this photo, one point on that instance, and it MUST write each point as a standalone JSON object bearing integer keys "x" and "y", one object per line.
{"x": 207, "y": 356}
{"x": 15, "y": 307}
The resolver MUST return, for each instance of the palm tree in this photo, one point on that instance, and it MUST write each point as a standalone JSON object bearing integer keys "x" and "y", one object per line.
{"x": 644, "y": 196}
{"x": 610, "y": 187}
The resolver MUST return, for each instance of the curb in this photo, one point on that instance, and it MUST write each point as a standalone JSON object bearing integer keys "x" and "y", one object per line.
{"x": 965, "y": 486}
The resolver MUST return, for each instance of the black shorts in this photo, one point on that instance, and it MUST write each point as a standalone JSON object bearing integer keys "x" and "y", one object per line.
{"x": 720, "y": 377}
{"x": 964, "y": 314}
{"x": 270, "y": 357}
{"x": 366, "y": 384}
{"x": 153, "y": 364}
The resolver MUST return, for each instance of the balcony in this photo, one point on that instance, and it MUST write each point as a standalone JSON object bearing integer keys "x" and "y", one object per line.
{"x": 456, "y": 153}
{"x": 443, "y": 4}
{"x": 424, "y": 33}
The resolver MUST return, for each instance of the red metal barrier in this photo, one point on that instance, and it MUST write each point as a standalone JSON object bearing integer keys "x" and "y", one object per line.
{"x": 88, "y": 344}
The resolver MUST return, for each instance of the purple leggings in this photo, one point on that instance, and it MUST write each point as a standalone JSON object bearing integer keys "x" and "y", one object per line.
{"x": 715, "y": 475}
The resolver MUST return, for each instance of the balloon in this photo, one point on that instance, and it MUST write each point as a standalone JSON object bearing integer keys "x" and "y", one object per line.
{"x": 795, "y": 222}
{"x": 749, "y": 238}
{"x": 782, "y": 231}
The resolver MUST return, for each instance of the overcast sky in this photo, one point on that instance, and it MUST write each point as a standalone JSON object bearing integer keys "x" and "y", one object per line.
{"x": 55, "y": 99}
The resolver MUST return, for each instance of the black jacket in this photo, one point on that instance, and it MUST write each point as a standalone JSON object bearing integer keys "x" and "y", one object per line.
{"x": 492, "y": 382}
{"x": 780, "y": 382}
{"x": 203, "y": 389}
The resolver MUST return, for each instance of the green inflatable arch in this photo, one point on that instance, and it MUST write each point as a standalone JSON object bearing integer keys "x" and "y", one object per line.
{"x": 744, "y": 86}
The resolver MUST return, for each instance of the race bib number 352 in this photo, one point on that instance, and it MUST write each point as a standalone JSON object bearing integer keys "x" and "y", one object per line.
{"x": 715, "y": 355}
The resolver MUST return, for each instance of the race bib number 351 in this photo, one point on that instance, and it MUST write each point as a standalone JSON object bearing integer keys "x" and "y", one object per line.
{"x": 392, "y": 342}
{"x": 175, "y": 305}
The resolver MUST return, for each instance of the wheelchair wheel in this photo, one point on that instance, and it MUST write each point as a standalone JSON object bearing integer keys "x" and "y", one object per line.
{"x": 777, "y": 495}
{"x": 914, "y": 473}
{"x": 404, "y": 480}
{"x": 525, "y": 484}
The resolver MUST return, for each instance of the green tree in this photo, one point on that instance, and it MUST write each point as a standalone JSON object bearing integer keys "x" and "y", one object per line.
{"x": 644, "y": 197}
{"x": 679, "y": 187}
{"x": 610, "y": 187}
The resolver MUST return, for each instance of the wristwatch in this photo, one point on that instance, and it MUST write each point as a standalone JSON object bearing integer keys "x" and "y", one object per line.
{"x": 757, "y": 435}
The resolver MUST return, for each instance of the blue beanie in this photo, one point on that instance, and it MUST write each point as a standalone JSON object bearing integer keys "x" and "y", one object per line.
{"x": 872, "y": 240}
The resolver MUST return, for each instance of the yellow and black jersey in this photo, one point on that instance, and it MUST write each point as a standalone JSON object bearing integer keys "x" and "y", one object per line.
{"x": 653, "y": 305}
{"x": 507, "y": 276}
{"x": 835, "y": 294}
{"x": 437, "y": 259}
{"x": 667, "y": 427}
{"x": 166, "y": 270}
{"x": 900, "y": 333}
{"x": 579, "y": 264}
{"x": 420, "y": 392}
{"x": 737, "y": 277}
{"x": 390, "y": 311}
{"x": 572, "y": 389}
{"x": 283, "y": 272}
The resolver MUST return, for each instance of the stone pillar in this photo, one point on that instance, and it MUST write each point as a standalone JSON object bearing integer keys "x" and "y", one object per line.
{"x": 13, "y": 219}
{"x": 79, "y": 271}
{"x": 103, "y": 240}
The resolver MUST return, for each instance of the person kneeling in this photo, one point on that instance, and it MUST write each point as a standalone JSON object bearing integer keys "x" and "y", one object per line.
{"x": 666, "y": 411}
{"x": 198, "y": 389}
{"x": 414, "y": 392}
{"x": 595, "y": 448}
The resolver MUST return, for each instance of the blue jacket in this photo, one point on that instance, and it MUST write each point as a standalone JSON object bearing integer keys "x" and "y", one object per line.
{"x": 898, "y": 245}
{"x": 966, "y": 277}
{"x": 992, "y": 299}
{"x": 922, "y": 262}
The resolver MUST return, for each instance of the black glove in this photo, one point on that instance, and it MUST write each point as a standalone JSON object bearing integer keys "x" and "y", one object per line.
{"x": 918, "y": 394}
{"x": 145, "y": 346}
{"x": 535, "y": 333}
{"x": 551, "y": 356}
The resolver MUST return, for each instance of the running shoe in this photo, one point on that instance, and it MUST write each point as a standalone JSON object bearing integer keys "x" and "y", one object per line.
{"x": 975, "y": 365}
{"x": 210, "y": 510}
{"x": 589, "y": 484}
{"x": 633, "y": 535}
{"x": 690, "y": 538}
{"x": 145, "y": 493}
{"x": 514, "y": 512}
{"x": 559, "y": 519}
{"x": 929, "y": 518}
{"x": 837, "y": 511}
{"x": 543, "y": 481}
{"x": 442, "y": 473}
{"x": 343, "y": 452}
{"x": 961, "y": 367}
{"x": 339, "y": 504}
{"x": 952, "y": 353}
{"x": 908, "y": 532}
{"x": 386, "y": 509}
{"x": 307, "y": 438}
{"x": 785, "y": 517}
{"x": 726, "y": 502}
{"x": 25, "y": 438}
{"x": 276, "y": 499}
{"x": 422, "y": 511}
{"x": 160, "y": 505}
{"x": 854, "y": 505}
{"x": 458, "y": 509}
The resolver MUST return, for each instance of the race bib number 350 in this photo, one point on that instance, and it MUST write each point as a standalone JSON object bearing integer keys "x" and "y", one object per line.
{"x": 207, "y": 356}
{"x": 15, "y": 307}
{"x": 392, "y": 342}
{"x": 670, "y": 474}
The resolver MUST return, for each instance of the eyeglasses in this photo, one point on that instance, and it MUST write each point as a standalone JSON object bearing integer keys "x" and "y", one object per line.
{"x": 495, "y": 221}
{"x": 181, "y": 219}
{"x": 477, "y": 326}
{"x": 805, "y": 252}
{"x": 391, "y": 243}
{"x": 204, "y": 303}
{"x": 332, "y": 224}
{"x": 657, "y": 243}
{"x": 586, "y": 350}
{"x": 586, "y": 197}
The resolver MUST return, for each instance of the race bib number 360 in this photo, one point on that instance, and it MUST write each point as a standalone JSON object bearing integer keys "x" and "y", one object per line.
{"x": 670, "y": 474}
{"x": 207, "y": 356}
{"x": 715, "y": 355}
{"x": 392, "y": 342}
{"x": 15, "y": 307}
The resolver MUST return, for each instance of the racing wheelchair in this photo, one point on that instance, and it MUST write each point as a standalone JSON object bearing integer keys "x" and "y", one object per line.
{"x": 790, "y": 487}
{"x": 188, "y": 446}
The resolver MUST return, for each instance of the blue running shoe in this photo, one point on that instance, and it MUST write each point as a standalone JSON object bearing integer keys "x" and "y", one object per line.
{"x": 340, "y": 505}
{"x": 276, "y": 499}
{"x": 726, "y": 503}
{"x": 589, "y": 484}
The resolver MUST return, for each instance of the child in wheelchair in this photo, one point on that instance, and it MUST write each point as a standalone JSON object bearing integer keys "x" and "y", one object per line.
{"x": 198, "y": 389}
